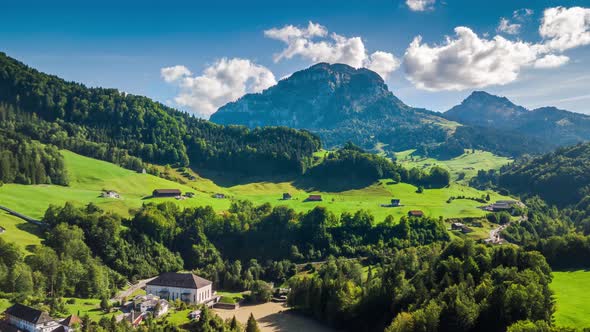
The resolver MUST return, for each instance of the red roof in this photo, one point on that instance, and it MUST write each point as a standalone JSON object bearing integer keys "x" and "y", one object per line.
{"x": 314, "y": 198}
{"x": 416, "y": 213}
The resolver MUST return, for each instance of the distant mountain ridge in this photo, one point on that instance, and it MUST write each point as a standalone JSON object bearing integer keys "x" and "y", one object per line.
{"x": 339, "y": 103}
{"x": 551, "y": 125}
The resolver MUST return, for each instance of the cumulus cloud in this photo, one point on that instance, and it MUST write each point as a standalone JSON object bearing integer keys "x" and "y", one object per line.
{"x": 171, "y": 74}
{"x": 506, "y": 27}
{"x": 420, "y": 5}
{"x": 316, "y": 44}
{"x": 224, "y": 81}
{"x": 467, "y": 61}
{"x": 551, "y": 61}
{"x": 566, "y": 28}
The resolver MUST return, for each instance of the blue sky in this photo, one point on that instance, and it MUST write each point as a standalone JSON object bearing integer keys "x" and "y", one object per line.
{"x": 126, "y": 46}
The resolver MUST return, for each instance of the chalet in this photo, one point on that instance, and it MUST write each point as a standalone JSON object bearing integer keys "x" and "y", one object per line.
{"x": 286, "y": 196}
{"x": 110, "y": 194}
{"x": 187, "y": 287}
{"x": 150, "y": 303}
{"x": 395, "y": 202}
{"x": 189, "y": 194}
{"x": 457, "y": 226}
{"x": 1, "y": 229}
{"x": 415, "y": 213}
{"x": 219, "y": 196}
{"x": 166, "y": 193}
{"x": 30, "y": 319}
{"x": 314, "y": 198}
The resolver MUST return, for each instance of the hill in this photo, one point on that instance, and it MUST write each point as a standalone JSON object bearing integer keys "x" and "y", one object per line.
{"x": 128, "y": 130}
{"x": 561, "y": 177}
{"x": 88, "y": 177}
{"x": 340, "y": 104}
{"x": 550, "y": 126}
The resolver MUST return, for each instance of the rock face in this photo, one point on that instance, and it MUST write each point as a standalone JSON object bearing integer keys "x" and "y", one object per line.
{"x": 339, "y": 103}
{"x": 549, "y": 124}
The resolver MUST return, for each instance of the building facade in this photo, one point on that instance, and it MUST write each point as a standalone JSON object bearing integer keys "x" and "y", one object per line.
{"x": 30, "y": 319}
{"x": 187, "y": 287}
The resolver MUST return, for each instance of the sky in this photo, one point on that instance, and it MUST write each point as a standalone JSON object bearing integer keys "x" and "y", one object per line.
{"x": 198, "y": 55}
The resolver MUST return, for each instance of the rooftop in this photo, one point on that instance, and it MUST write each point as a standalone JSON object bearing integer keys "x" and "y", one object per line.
{"x": 180, "y": 280}
{"x": 28, "y": 314}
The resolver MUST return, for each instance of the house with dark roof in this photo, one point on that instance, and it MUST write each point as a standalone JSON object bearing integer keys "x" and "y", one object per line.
{"x": 166, "y": 193}
{"x": 314, "y": 198}
{"x": 415, "y": 213}
{"x": 30, "y": 319}
{"x": 187, "y": 287}
{"x": 286, "y": 196}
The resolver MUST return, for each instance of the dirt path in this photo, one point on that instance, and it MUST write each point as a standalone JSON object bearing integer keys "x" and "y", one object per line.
{"x": 126, "y": 293}
{"x": 273, "y": 317}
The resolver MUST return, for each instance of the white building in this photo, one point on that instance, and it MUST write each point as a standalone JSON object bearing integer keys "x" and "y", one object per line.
{"x": 150, "y": 303}
{"x": 187, "y": 287}
{"x": 30, "y": 319}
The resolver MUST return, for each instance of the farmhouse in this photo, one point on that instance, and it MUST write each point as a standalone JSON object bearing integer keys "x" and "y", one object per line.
{"x": 110, "y": 194}
{"x": 503, "y": 205}
{"x": 314, "y": 198}
{"x": 187, "y": 287}
{"x": 150, "y": 303}
{"x": 1, "y": 229}
{"x": 218, "y": 195}
{"x": 166, "y": 193}
{"x": 457, "y": 226}
{"x": 30, "y": 319}
{"x": 415, "y": 213}
{"x": 286, "y": 196}
{"x": 395, "y": 202}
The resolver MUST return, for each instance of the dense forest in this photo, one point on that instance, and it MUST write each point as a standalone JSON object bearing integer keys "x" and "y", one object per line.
{"x": 126, "y": 129}
{"x": 28, "y": 162}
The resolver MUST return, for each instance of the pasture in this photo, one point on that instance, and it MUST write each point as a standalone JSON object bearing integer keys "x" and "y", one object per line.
{"x": 572, "y": 295}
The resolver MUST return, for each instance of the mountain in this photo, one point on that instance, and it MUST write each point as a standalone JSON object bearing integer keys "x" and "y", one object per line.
{"x": 126, "y": 129}
{"x": 340, "y": 104}
{"x": 550, "y": 125}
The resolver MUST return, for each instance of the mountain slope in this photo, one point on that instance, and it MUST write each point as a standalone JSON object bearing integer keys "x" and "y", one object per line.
{"x": 110, "y": 125}
{"x": 552, "y": 126}
{"x": 339, "y": 103}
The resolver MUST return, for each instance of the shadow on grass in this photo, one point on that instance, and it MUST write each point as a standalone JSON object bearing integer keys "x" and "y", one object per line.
{"x": 302, "y": 182}
{"x": 290, "y": 320}
{"x": 30, "y": 228}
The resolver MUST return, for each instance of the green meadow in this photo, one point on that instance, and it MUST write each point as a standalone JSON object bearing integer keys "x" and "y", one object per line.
{"x": 462, "y": 168}
{"x": 572, "y": 295}
{"x": 16, "y": 230}
{"x": 89, "y": 177}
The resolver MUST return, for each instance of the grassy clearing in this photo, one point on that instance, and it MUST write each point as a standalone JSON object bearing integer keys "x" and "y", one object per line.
{"x": 4, "y": 304}
{"x": 177, "y": 317}
{"x": 88, "y": 177}
{"x": 468, "y": 163}
{"x": 572, "y": 295}
{"x": 90, "y": 307}
{"x": 16, "y": 230}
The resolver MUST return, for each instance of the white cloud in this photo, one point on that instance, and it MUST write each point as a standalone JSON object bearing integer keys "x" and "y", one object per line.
{"x": 467, "y": 61}
{"x": 551, "y": 61}
{"x": 314, "y": 43}
{"x": 566, "y": 28}
{"x": 420, "y": 5}
{"x": 171, "y": 74}
{"x": 224, "y": 81}
{"x": 506, "y": 27}
{"x": 522, "y": 14}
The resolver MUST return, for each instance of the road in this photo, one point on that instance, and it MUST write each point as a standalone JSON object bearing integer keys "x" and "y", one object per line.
{"x": 496, "y": 233}
{"x": 127, "y": 293}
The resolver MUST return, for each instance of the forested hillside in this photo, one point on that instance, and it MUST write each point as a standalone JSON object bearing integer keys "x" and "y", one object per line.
{"x": 126, "y": 129}
{"x": 561, "y": 177}
{"x": 29, "y": 162}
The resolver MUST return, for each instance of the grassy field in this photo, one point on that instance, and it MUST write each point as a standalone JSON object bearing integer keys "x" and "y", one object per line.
{"x": 25, "y": 235}
{"x": 468, "y": 163}
{"x": 88, "y": 177}
{"x": 572, "y": 295}
{"x": 90, "y": 307}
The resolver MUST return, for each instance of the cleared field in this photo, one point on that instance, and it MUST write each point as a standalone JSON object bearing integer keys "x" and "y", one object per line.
{"x": 22, "y": 233}
{"x": 88, "y": 177}
{"x": 90, "y": 307}
{"x": 468, "y": 163}
{"x": 572, "y": 295}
